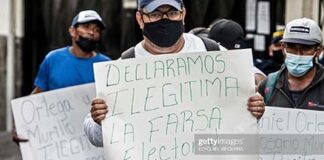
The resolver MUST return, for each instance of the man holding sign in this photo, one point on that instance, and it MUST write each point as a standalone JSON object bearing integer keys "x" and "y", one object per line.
{"x": 72, "y": 65}
{"x": 300, "y": 83}
{"x": 162, "y": 22}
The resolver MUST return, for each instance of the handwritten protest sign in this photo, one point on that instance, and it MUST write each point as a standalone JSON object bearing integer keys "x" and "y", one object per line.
{"x": 157, "y": 104}
{"x": 287, "y": 134}
{"x": 53, "y": 123}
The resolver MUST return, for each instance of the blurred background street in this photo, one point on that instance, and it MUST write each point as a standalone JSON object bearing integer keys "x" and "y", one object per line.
{"x": 8, "y": 149}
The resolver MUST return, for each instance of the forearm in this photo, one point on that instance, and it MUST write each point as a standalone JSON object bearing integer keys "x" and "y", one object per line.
{"x": 93, "y": 131}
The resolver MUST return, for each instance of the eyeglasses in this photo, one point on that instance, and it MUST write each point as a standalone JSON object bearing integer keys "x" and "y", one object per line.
{"x": 157, "y": 15}
{"x": 302, "y": 48}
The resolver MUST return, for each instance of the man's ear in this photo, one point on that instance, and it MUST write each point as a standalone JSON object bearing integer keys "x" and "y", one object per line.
{"x": 139, "y": 19}
{"x": 72, "y": 31}
{"x": 319, "y": 50}
{"x": 184, "y": 11}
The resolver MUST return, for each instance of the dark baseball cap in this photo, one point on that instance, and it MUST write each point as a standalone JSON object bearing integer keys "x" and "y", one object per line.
{"x": 228, "y": 33}
{"x": 151, "y": 5}
{"x": 88, "y": 16}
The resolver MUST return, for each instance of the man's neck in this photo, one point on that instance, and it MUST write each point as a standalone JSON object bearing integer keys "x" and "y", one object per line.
{"x": 80, "y": 53}
{"x": 156, "y": 50}
{"x": 300, "y": 83}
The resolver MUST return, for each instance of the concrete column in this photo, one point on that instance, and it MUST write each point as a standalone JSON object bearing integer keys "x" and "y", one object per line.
{"x": 302, "y": 8}
{"x": 11, "y": 12}
{"x": 10, "y": 66}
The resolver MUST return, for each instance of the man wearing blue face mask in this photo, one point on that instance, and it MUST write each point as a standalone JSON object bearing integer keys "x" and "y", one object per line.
{"x": 300, "y": 82}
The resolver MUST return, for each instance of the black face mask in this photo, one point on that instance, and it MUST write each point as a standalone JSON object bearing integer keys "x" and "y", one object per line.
{"x": 163, "y": 33}
{"x": 86, "y": 44}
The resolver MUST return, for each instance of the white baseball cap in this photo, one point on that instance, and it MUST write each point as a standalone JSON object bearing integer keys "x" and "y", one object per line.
{"x": 303, "y": 31}
{"x": 88, "y": 16}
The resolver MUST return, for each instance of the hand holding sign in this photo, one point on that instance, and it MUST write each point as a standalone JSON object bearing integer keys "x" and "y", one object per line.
{"x": 256, "y": 105}
{"x": 98, "y": 110}
{"x": 16, "y": 138}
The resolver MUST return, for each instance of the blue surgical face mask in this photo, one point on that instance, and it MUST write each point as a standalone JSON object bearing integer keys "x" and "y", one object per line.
{"x": 298, "y": 65}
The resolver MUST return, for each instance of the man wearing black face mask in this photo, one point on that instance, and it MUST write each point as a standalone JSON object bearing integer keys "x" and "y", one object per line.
{"x": 275, "y": 48}
{"x": 300, "y": 82}
{"x": 71, "y": 65}
{"x": 276, "y": 57}
{"x": 162, "y": 23}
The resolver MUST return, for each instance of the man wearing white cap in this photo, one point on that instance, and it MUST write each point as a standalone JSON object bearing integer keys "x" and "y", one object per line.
{"x": 76, "y": 60}
{"x": 71, "y": 65}
{"x": 300, "y": 83}
{"x": 162, "y": 23}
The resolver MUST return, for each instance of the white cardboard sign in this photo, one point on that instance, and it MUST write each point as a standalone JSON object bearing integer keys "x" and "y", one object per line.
{"x": 53, "y": 123}
{"x": 157, "y": 104}
{"x": 303, "y": 124}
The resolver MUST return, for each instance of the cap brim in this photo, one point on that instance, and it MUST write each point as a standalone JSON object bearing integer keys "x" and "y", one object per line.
{"x": 100, "y": 24}
{"x": 298, "y": 41}
{"x": 155, "y": 4}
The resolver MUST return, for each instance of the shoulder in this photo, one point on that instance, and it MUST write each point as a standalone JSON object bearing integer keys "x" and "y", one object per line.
{"x": 203, "y": 42}
{"x": 139, "y": 51}
{"x": 193, "y": 43}
{"x": 56, "y": 54}
{"x": 192, "y": 38}
{"x": 320, "y": 71}
{"x": 273, "y": 79}
{"x": 101, "y": 56}
{"x": 258, "y": 71}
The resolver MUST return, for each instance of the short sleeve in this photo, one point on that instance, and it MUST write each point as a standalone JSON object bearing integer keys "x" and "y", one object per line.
{"x": 41, "y": 80}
